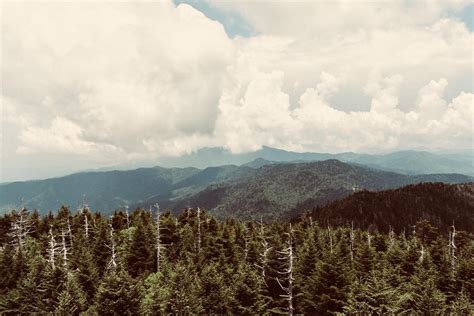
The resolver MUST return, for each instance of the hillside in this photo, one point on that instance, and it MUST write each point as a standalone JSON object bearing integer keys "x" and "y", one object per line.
{"x": 280, "y": 189}
{"x": 109, "y": 190}
{"x": 441, "y": 204}
{"x": 259, "y": 188}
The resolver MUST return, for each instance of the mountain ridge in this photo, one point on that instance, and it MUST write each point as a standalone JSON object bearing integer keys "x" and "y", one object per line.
{"x": 177, "y": 187}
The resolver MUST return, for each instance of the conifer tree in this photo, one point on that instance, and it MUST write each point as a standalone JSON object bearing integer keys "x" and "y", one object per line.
{"x": 185, "y": 288}
{"x": 425, "y": 297}
{"x": 117, "y": 293}
{"x": 72, "y": 300}
{"x": 216, "y": 294}
{"x": 156, "y": 295}
{"x": 248, "y": 292}
{"x": 327, "y": 288}
{"x": 375, "y": 295}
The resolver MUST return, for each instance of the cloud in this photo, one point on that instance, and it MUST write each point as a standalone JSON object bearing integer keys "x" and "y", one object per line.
{"x": 126, "y": 75}
{"x": 114, "y": 82}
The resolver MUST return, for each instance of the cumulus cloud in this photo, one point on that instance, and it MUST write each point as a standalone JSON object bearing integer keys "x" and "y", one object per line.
{"x": 117, "y": 82}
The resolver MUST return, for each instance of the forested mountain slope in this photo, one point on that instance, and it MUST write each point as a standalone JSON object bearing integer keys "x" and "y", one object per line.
{"x": 260, "y": 189}
{"x": 281, "y": 189}
{"x": 109, "y": 190}
{"x": 439, "y": 203}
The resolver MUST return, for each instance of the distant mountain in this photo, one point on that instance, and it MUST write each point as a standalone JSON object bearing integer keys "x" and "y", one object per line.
{"x": 261, "y": 187}
{"x": 407, "y": 162}
{"x": 441, "y": 204}
{"x": 259, "y": 162}
{"x": 279, "y": 190}
{"x": 109, "y": 190}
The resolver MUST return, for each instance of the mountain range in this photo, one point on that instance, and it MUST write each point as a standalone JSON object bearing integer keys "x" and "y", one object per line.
{"x": 279, "y": 189}
{"x": 407, "y": 162}
{"x": 257, "y": 188}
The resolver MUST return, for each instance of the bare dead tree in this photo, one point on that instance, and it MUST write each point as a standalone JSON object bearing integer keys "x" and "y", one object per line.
{"x": 112, "y": 263}
{"x": 246, "y": 243}
{"x": 128, "y": 223}
{"x": 84, "y": 209}
{"x": 199, "y": 229}
{"x": 369, "y": 239}
{"x": 330, "y": 239}
{"x": 452, "y": 249}
{"x": 20, "y": 228}
{"x": 391, "y": 238}
{"x": 158, "y": 245}
{"x": 404, "y": 240}
{"x": 287, "y": 254}
{"x": 422, "y": 253}
{"x": 264, "y": 253}
{"x": 64, "y": 248}
{"x": 69, "y": 232}
{"x": 52, "y": 248}
{"x": 86, "y": 226}
{"x": 351, "y": 238}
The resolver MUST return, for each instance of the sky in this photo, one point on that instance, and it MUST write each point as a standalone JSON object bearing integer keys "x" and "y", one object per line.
{"x": 90, "y": 84}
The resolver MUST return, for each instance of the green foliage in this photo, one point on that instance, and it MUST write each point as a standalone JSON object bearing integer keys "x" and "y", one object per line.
{"x": 117, "y": 293}
{"x": 72, "y": 300}
{"x": 223, "y": 276}
{"x": 156, "y": 295}
{"x": 327, "y": 288}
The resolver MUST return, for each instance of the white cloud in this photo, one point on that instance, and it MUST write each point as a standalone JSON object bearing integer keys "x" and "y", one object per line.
{"x": 128, "y": 81}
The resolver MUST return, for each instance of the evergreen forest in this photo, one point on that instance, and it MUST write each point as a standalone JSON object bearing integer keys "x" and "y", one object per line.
{"x": 150, "y": 262}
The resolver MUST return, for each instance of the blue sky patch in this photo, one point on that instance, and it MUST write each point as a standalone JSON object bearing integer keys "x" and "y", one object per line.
{"x": 234, "y": 24}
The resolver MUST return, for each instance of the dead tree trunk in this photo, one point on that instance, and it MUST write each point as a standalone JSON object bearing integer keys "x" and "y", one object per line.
{"x": 452, "y": 249}
{"x": 288, "y": 256}
{"x": 264, "y": 253}
{"x": 246, "y": 243}
{"x": 391, "y": 238}
{"x": 128, "y": 223}
{"x": 351, "y": 238}
{"x": 69, "y": 232}
{"x": 199, "y": 229}
{"x": 422, "y": 253}
{"x": 52, "y": 248}
{"x": 330, "y": 239}
{"x": 112, "y": 263}
{"x": 20, "y": 228}
{"x": 86, "y": 227}
{"x": 64, "y": 249}
{"x": 158, "y": 238}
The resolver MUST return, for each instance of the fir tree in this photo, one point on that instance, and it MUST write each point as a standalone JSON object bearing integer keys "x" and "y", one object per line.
{"x": 156, "y": 295}
{"x": 117, "y": 294}
{"x": 72, "y": 300}
{"x": 328, "y": 287}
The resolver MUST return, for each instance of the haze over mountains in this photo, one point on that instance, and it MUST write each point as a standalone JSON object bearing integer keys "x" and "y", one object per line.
{"x": 408, "y": 162}
{"x": 274, "y": 184}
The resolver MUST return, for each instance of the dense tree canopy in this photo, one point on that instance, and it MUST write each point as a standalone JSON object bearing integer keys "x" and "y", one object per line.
{"x": 83, "y": 262}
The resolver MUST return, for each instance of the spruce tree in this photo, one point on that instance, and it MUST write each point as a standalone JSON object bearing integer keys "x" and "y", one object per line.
{"x": 327, "y": 288}
{"x": 425, "y": 297}
{"x": 117, "y": 294}
{"x": 248, "y": 292}
{"x": 156, "y": 295}
{"x": 215, "y": 293}
{"x": 72, "y": 300}
{"x": 185, "y": 288}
